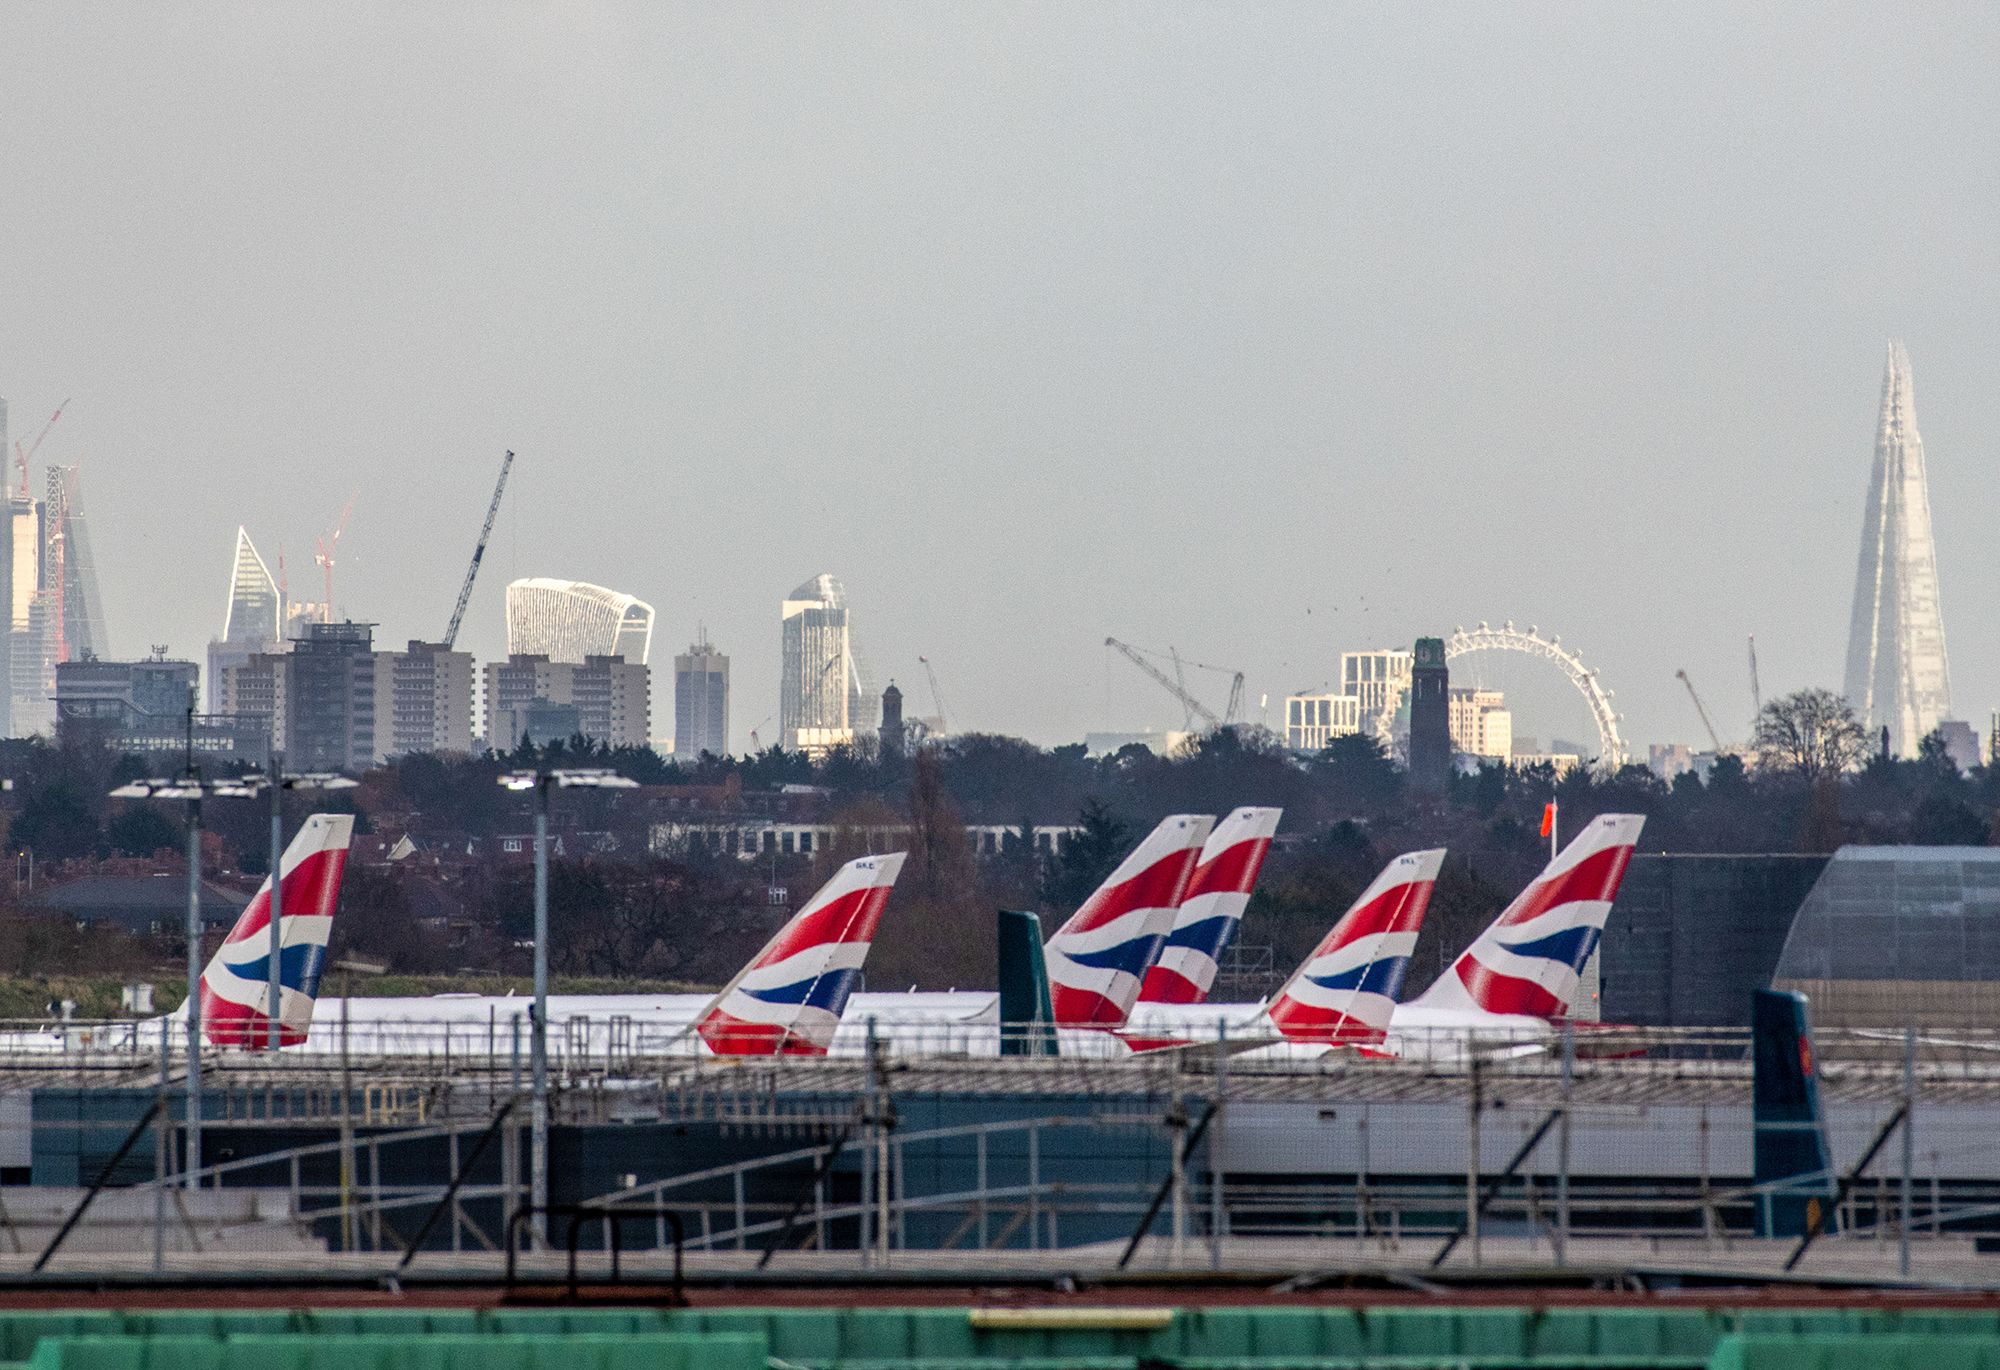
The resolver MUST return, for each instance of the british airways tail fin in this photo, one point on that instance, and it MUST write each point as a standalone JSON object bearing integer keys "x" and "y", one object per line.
{"x": 1345, "y": 992}
{"x": 1212, "y": 909}
{"x": 1529, "y": 961}
{"x": 789, "y": 999}
{"x": 236, "y": 986}
{"x": 1099, "y": 958}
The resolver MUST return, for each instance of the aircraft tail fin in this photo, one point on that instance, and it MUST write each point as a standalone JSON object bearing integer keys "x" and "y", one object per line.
{"x": 1212, "y": 909}
{"x": 236, "y": 985}
{"x": 1345, "y": 992}
{"x": 1530, "y": 961}
{"x": 789, "y": 999}
{"x": 1027, "y": 1016}
{"x": 1099, "y": 958}
{"x": 1792, "y": 1163}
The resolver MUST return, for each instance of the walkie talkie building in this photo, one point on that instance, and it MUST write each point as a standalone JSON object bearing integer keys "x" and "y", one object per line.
{"x": 568, "y": 620}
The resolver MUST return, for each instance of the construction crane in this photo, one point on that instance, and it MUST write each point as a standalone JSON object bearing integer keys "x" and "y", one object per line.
{"x": 1756, "y": 693}
{"x": 324, "y": 556}
{"x": 1180, "y": 689}
{"x": 478, "y": 551}
{"x": 1713, "y": 740}
{"x": 1193, "y": 708}
{"x": 937, "y": 698}
{"x": 22, "y": 455}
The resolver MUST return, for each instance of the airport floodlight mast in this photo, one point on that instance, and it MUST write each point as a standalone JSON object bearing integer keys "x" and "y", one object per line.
{"x": 541, "y": 782}
{"x": 1191, "y": 707}
{"x": 1507, "y": 638}
{"x": 478, "y": 553}
{"x": 192, "y": 788}
{"x": 276, "y": 782}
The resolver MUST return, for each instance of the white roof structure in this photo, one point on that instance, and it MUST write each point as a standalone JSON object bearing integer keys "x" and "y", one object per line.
{"x": 568, "y": 620}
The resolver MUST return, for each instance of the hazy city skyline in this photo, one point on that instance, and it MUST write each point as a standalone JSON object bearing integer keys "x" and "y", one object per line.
{"x": 1269, "y": 333}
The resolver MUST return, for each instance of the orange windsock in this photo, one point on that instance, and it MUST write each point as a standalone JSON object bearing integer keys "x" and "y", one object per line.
{"x": 1548, "y": 818}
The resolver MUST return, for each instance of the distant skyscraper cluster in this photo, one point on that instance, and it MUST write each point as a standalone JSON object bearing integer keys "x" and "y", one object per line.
{"x": 824, "y": 697}
{"x": 1376, "y": 697}
{"x": 283, "y": 675}
{"x": 48, "y": 581}
{"x": 1897, "y": 674}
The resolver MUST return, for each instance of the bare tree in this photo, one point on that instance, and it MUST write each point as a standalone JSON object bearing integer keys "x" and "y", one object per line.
{"x": 1812, "y": 734}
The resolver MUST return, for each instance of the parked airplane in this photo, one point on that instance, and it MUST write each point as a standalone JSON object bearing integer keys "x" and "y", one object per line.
{"x": 797, "y": 995}
{"x": 1099, "y": 958}
{"x": 1515, "y": 982}
{"x": 236, "y": 986}
{"x": 1518, "y": 980}
{"x": 1340, "y": 995}
{"x": 1211, "y": 911}
{"x": 1509, "y": 991}
{"x": 789, "y": 999}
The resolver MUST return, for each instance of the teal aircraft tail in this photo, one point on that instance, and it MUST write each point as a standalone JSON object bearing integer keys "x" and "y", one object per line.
{"x": 1027, "y": 1017}
{"x": 1792, "y": 1161}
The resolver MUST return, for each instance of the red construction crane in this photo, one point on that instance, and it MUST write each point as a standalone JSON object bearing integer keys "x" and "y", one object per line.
{"x": 22, "y": 454}
{"x": 324, "y": 556}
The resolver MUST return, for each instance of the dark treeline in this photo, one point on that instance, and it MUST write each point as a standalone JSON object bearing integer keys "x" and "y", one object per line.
{"x": 624, "y": 910}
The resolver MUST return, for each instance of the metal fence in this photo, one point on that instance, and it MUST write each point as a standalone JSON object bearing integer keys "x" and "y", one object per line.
{"x": 929, "y": 1149}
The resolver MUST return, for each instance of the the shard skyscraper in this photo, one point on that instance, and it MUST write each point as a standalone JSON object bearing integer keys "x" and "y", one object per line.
{"x": 1897, "y": 677}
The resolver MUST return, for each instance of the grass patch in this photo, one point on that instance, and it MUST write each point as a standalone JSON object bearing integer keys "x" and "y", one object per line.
{"x": 27, "y": 997}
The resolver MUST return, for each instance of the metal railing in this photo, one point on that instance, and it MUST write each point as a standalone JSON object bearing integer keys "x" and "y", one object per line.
{"x": 858, "y": 1186}
{"x": 613, "y": 1220}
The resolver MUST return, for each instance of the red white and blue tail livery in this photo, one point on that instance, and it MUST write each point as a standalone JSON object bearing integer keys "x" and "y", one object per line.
{"x": 1528, "y": 963}
{"x": 236, "y": 986}
{"x": 1345, "y": 992}
{"x": 1212, "y": 909}
{"x": 1099, "y": 958}
{"x": 788, "y": 1000}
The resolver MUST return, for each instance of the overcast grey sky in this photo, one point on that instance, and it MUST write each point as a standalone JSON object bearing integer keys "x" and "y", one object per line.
{"x": 1266, "y": 331}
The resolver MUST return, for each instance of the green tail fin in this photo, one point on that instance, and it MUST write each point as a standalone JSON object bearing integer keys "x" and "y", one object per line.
{"x": 1027, "y": 1017}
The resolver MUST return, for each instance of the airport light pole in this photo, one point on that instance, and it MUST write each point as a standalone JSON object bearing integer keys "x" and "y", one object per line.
{"x": 192, "y": 788}
{"x": 276, "y": 781}
{"x": 541, "y": 782}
